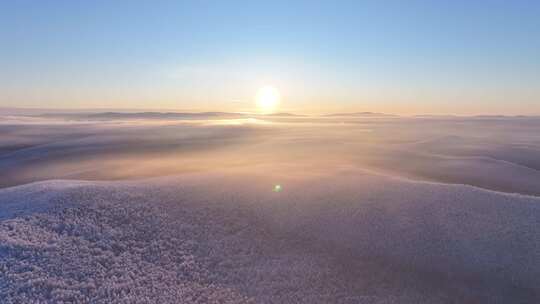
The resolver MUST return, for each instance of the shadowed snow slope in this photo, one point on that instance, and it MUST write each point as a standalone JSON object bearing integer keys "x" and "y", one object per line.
{"x": 227, "y": 238}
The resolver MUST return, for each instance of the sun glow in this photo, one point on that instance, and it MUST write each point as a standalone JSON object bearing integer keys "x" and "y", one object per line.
{"x": 267, "y": 99}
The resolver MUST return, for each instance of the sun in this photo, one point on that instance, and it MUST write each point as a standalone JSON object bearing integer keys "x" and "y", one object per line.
{"x": 267, "y": 99}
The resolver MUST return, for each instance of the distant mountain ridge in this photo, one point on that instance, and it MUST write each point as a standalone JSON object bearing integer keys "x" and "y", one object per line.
{"x": 283, "y": 114}
{"x": 360, "y": 114}
{"x": 151, "y": 115}
{"x": 146, "y": 115}
{"x": 164, "y": 115}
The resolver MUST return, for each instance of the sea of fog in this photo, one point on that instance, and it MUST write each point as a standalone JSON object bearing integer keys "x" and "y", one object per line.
{"x": 497, "y": 153}
{"x": 185, "y": 208}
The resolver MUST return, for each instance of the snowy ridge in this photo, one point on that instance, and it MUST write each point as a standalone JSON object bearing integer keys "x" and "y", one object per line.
{"x": 218, "y": 238}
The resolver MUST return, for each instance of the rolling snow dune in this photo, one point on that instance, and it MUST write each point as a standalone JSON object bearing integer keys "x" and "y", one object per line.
{"x": 348, "y": 237}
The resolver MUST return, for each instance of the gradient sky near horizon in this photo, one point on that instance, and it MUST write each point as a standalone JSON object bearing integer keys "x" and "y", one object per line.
{"x": 404, "y": 57}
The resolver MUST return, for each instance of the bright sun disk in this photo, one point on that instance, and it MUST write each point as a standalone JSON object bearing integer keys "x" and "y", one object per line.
{"x": 267, "y": 99}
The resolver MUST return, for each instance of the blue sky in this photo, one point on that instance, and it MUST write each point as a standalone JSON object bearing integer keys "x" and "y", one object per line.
{"x": 460, "y": 57}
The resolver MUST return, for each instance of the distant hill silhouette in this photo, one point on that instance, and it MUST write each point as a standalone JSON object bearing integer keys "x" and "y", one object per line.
{"x": 360, "y": 114}
{"x": 283, "y": 114}
{"x": 147, "y": 115}
{"x": 163, "y": 115}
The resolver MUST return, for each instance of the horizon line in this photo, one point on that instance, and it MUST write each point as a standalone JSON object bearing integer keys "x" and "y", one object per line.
{"x": 102, "y": 110}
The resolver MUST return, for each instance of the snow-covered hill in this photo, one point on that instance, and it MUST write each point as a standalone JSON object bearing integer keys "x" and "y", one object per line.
{"x": 351, "y": 237}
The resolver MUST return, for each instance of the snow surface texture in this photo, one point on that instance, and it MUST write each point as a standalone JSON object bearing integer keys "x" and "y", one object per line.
{"x": 352, "y": 237}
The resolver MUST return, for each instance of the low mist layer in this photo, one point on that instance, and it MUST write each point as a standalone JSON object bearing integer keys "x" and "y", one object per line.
{"x": 217, "y": 208}
{"x": 498, "y": 153}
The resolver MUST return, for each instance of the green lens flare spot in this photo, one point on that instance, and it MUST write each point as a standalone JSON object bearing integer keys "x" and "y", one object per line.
{"x": 277, "y": 188}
